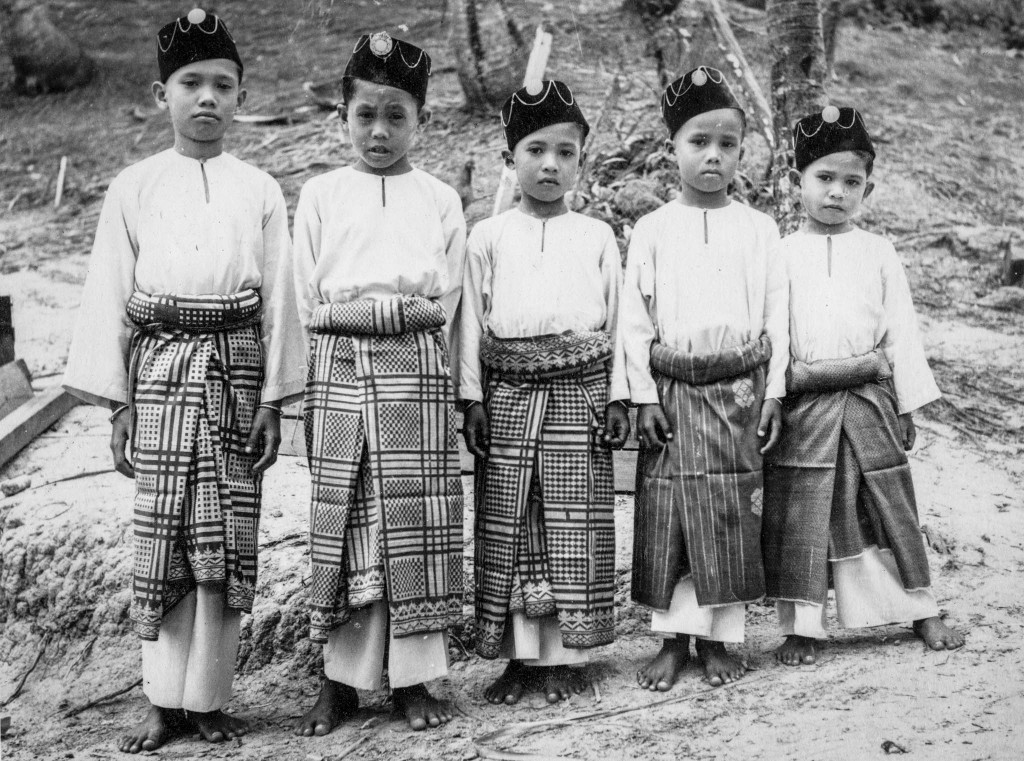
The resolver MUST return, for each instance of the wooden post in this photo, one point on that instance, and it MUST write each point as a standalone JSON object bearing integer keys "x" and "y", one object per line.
{"x": 6, "y": 331}
{"x": 1012, "y": 269}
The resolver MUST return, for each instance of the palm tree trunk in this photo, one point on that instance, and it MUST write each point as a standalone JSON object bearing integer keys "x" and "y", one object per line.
{"x": 490, "y": 51}
{"x": 44, "y": 58}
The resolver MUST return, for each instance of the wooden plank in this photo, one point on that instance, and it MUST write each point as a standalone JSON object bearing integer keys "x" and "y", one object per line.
{"x": 6, "y": 331}
{"x": 15, "y": 386}
{"x": 18, "y": 429}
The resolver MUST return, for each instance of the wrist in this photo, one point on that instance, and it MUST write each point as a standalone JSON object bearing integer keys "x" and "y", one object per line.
{"x": 272, "y": 406}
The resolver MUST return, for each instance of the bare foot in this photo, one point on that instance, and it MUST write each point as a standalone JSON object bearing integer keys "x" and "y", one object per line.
{"x": 797, "y": 651}
{"x": 562, "y": 682}
{"x": 509, "y": 687}
{"x": 336, "y": 703}
{"x": 719, "y": 667}
{"x": 217, "y": 726}
{"x": 661, "y": 672}
{"x": 937, "y": 635}
{"x": 159, "y": 726}
{"x": 421, "y": 709}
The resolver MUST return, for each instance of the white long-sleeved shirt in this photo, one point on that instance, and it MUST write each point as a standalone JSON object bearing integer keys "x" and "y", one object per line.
{"x": 700, "y": 281}
{"x": 363, "y": 236}
{"x": 530, "y": 277}
{"x": 175, "y": 225}
{"x": 848, "y": 295}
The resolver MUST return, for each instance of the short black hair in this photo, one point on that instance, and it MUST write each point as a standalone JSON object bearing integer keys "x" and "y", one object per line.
{"x": 869, "y": 160}
{"x": 348, "y": 86}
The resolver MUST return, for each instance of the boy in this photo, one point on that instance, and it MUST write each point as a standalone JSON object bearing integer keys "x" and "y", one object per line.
{"x": 188, "y": 290}
{"x": 539, "y": 302}
{"x": 838, "y": 488}
{"x": 703, "y": 326}
{"x": 379, "y": 249}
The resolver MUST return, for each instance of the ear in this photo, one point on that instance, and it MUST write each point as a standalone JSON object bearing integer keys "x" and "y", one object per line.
{"x": 242, "y": 95}
{"x": 795, "y": 177}
{"x": 670, "y": 145}
{"x": 583, "y": 159}
{"x": 509, "y": 159}
{"x": 423, "y": 117}
{"x": 742, "y": 151}
{"x": 160, "y": 95}
{"x": 867, "y": 189}
{"x": 343, "y": 113}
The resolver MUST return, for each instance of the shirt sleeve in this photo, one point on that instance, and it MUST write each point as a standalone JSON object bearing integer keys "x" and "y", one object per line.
{"x": 283, "y": 345}
{"x": 476, "y": 283}
{"x": 97, "y": 368}
{"x": 915, "y": 384}
{"x": 611, "y": 274}
{"x": 453, "y": 224}
{"x": 636, "y": 329}
{"x": 776, "y": 316}
{"x": 306, "y": 253}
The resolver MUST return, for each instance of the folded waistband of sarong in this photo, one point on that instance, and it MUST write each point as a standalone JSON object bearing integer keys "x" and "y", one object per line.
{"x": 837, "y": 374}
{"x": 373, "y": 317}
{"x": 700, "y": 369}
{"x": 207, "y": 313}
{"x": 551, "y": 356}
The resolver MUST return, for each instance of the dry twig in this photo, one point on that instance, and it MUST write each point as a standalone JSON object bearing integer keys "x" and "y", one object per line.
{"x": 102, "y": 699}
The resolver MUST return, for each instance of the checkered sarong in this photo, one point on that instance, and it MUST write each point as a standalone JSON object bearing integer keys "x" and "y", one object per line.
{"x": 196, "y": 373}
{"x": 698, "y": 499}
{"x": 386, "y": 517}
{"x": 545, "y": 528}
{"x": 839, "y": 480}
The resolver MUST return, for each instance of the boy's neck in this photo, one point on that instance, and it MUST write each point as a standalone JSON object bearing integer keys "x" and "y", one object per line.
{"x": 812, "y": 226}
{"x": 542, "y": 209}
{"x": 402, "y": 166}
{"x": 200, "y": 151}
{"x": 691, "y": 196}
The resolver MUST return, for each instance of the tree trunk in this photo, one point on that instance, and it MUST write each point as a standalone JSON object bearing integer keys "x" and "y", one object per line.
{"x": 490, "y": 51}
{"x": 798, "y": 89}
{"x": 831, "y": 13}
{"x": 45, "y": 59}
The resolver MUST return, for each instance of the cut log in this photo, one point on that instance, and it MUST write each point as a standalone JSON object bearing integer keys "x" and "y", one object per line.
{"x": 15, "y": 386}
{"x": 18, "y": 429}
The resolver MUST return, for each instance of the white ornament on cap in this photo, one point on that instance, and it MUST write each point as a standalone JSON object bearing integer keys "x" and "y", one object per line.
{"x": 533, "y": 87}
{"x": 830, "y": 114}
{"x": 381, "y": 44}
{"x": 196, "y": 16}
{"x": 699, "y": 77}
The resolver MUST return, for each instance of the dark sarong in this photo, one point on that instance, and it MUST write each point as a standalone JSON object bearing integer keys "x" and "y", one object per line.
{"x": 196, "y": 373}
{"x": 839, "y": 481}
{"x": 386, "y": 516}
{"x": 698, "y": 499}
{"x": 545, "y": 496}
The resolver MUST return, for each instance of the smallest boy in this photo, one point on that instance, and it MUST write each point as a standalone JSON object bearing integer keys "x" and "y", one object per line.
{"x": 540, "y": 297}
{"x": 838, "y": 488}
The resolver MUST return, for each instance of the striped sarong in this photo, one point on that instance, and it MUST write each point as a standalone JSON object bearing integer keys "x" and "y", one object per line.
{"x": 386, "y": 515}
{"x": 698, "y": 499}
{"x": 545, "y": 497}
{"x": 839, "y": 480}
{"x": 196, "y": 373}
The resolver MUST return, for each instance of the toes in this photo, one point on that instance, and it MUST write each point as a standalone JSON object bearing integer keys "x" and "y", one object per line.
{"x": 663, "y": 685}
{"x": 715, "y": 681}
{"x": 321, "y": 729}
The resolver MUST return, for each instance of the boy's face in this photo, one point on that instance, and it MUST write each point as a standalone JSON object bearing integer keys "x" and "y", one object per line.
{"x": 546, "y": 161}
{"x": 832, "y": 189}
{"x": 382, "y": 123}
{"x": 707, "y": 151}
{"x": 202, "y": 98}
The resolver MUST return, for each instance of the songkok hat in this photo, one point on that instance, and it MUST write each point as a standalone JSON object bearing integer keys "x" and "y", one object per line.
{"x": 834, "y": 130}
{"x": 198, "y": 36}
{"x": 385, "y": 60}
{"x": 552, "y": 103}
{"x": 696, "y": 92}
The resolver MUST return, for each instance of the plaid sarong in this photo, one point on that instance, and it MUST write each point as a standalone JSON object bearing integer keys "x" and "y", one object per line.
{"x": 196, "y": 373}
{"x": 386, "y": 516}
{"x": 698, "y": 499}
{"x": 545, "y": 497}
{"x": 839, "y": 480}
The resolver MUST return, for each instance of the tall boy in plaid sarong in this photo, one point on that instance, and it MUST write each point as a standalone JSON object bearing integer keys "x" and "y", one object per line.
{"x": 703, "y": 310}
{"x": 539, "y": 302}
{"x": 838, "y": 492}
{"x": 188, "y": 331}
{"x": 379, "y": 249}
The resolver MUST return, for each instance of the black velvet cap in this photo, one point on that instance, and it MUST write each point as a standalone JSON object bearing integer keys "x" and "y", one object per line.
{"x": 524, "y": 112}
{"x": 834, "y": 130}
{"x": 198, "y": 36}
{"x": 385, "y": 60}
{"x": 696, "y": 92}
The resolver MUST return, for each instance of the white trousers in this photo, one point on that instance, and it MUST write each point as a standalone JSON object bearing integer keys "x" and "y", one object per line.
{"x": 538, "y": 642}
{"x": 721, "y": 623}
{"x": 354, "y": 652}
{"x": 868, "y": 593}
{"x": 192, "y": 663}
